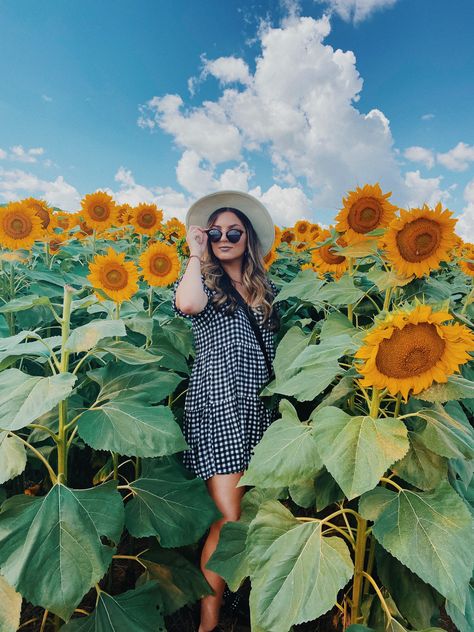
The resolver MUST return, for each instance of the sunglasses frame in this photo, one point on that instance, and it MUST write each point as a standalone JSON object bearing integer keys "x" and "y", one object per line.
{"x": 215, "y": 241}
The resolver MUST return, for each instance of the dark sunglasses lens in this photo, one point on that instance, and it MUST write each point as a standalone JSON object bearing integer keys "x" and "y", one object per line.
{"x": 214, "y": 234}
{"x": 234, "y": 235}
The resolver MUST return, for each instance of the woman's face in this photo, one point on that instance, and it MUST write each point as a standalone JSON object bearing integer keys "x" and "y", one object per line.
{"x": 223, "y": 249}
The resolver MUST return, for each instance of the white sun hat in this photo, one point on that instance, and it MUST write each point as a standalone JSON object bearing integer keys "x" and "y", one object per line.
{"x": 261, "y": 220}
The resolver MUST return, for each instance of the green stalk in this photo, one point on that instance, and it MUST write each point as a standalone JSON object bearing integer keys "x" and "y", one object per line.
{"x": 468, "y": 300}
{"x": 386, "y": 303}
{"x": 150, "y": 302}
{"x": 361, "y": 540}
{"x": 11, "y": 315}
{"x": 64, "y": 367}
{"x": 350, "y": 307}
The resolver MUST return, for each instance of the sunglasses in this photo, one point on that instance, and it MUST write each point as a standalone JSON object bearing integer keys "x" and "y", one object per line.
{"x": 233, "y": 235}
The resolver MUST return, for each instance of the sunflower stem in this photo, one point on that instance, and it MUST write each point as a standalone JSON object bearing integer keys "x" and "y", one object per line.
{"x": 11, "y": 315}
{"x": 468, "y": 301}
{"x": 398, "y": 401}
{"x": 64, "y": 368}
{"x": 375, "y": 403}
{"x": 150, "y": 302}
{"x": 386, "y": 303}
{"x": 361, "y": 540}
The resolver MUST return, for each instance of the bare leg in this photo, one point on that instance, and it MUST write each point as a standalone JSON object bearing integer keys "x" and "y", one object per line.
{"x": 222, "y": 488}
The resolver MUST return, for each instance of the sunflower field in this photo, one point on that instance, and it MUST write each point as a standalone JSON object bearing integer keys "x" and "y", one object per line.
{"x": 360, "y": 495}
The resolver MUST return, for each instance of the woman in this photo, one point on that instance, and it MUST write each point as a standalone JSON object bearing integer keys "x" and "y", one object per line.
{"x": 228, "y": 234}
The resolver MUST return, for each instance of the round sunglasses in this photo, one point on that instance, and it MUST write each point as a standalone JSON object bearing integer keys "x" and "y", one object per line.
{"x": 233, "y": 235}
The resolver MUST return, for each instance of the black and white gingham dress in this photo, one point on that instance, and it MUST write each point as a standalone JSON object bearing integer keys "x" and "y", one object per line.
{"x": 224, "y": 418}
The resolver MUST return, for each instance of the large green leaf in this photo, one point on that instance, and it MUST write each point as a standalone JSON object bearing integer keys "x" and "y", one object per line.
{"x": 137, "y": 610}
{"x": 229, "y": 559}
{"x": 130, "y": 426}
{"x": 180, "y": 581}
{"x": 175, "y": 509}
{"x": 297, "y": 571}
{"x": 357, "y": 450}
{"x": 431, "y": 533}
{"x": 128, "y": 353}
{"x": 445, "y": 435}
{"x": 335, "y": 325}
{"x": 286, "y": 453}
{"x": 39, "y": 348}
{"x": 342, "y": 292}
{"x": 327, "y": 351}
{"x": 457, "y": 387}
{"x": 289, "y": 348}
{"x": 12, "y": 457}
{"x": 327, "y": 490}
{"x": 24, "y": 398}
{"x": 51, "y": 547}
{"x": 24, "y": 302}
{"x": 309, "y": 382}
{"x": 87, "y": 336}
{"x": 10, "y": 607}
{"x": 304, "y": 286}
{"x": 151, "y": 384}
{"x": 420, "y": 466}
{"x": 464, "y": 621}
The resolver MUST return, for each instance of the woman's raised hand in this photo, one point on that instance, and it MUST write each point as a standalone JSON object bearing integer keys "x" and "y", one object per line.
{"x": 196, "y": 238}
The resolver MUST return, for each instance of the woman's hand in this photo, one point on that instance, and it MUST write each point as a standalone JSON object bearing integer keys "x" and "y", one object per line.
{"x": 196, "y": 238}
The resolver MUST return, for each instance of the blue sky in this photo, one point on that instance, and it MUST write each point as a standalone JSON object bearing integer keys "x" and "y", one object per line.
{"x": 296, "y": 102}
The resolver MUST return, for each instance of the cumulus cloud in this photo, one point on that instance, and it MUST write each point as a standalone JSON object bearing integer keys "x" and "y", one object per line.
{"x": 16, "y": 184}
{"x": 427, "y": 117}
{"x": 465, "y": 224}
{"x": 357, "y": 10}
{"x": 46, "y": 98}
{"x": 457, "y": 158}
{"x": 420, "y": 154}
{"x": 424, "y": 190}
{"x": 19, "y": 154}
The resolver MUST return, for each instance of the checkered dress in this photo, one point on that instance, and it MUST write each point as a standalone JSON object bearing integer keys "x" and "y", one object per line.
{"x": 224, "y": 417}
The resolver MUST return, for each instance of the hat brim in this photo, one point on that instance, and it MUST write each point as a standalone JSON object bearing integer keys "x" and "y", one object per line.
{"x": 261, "y": 220}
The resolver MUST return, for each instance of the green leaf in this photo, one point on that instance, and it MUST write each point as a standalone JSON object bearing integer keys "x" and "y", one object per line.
{"x": 139, "y": 610}
{"x": 10, "y": 607}
{"x": 373, "y": 503}
{"x": 149, "y": 383}
{"x": 445, "y": 435}
{"x": 358, "y": 450}
{"x": 456, "y": 387}
{"x": 140, "y": 323}
{"x": 305, "y": 286}
{"x": 297, "y": 572}
{"x": 177, "y": 510}
{"x": 464, "y": 621}
{"x": 180, "y": 581}
{"x": 50, "y": 547}
{"x": 335, "y": 325}
{"x": 309, "y": 382}
{"x": 286, "y": 453}
{"x": 361, "y": 249}
{"x": 87, "y": 336}
{"x": 384, "y": 280}
{"x": 24, "y": 398}
{"x": 130, "y": 426}
{"x": 327, "y": 490}
{"x": 420, "y": 466}
{"x": 24, "y": 302}
{"x": 340, "y": 392}
{"x": 342, "y": 292}
{"x": 303, "y": 493}
{"x": 289, "y": 348}
{"x": 418, "y": 602}
{"x": 128, "y": 353}
{"x": 431, "y": 533}
{"x": 175, "y": 333}
{"x": 229, "y": 559}
{"x": 37, "y": 349}
{"x": 12, "y": 457}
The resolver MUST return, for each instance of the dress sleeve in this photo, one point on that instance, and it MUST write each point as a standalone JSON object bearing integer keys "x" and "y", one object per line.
{"x": 199, "y": 314}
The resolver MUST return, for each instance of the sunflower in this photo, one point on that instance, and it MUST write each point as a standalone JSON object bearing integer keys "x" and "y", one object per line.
{"x": 114, "y": 276}
{"x": 419, "y": 240}
{"x": 314, "y": 231}
{"x": 44, "y": 212}
{"x": 299, "y": 246}
{"x": 325, "y": 259}
{"x": 174, "y": 228}
{"x": 146, "y": 219}
{"x": 307, "y": 266}
{"x": 160, "y": 264}
{"x": 301, "y": 229}
{"x": 63, "y": 219}
{"x": 467, "y": 262}
{"x": 270, "y": 258}
{"x": 20, "y": 226}
{"x": 410, "y": 350}
{"x": 99, "y": 210}
{"x": 55, "y": 242}
{"x": 287, "y": 235}
{"x": 364, "y": 210}
{"x": 277, "y": 240}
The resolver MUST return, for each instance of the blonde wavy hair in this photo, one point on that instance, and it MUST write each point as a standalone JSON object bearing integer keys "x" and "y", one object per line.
{"x": 254, "y": 276}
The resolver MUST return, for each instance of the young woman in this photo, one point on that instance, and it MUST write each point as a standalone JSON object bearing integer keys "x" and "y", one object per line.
{"x": 228, "y": 234}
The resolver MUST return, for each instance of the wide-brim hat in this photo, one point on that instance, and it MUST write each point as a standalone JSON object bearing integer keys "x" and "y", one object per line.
{"x": 261, "y": 220}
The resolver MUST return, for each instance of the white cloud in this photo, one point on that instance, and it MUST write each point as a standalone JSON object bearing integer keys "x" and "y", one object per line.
{"x": 46, "y": 98}
{"x": 357, "y": 10}
{"x": 458, "y": 158}
{"x": 16, "y": 184}
{"x": 285, "y": 205}
{"x": 3, "y": 154}
{"x": 20, "y": 154}
{"x": 420, "y": 154}
{"x": 227, "y": 70}
{"x": 465, "y": 224}
{"x": 427, "y": 117}
{"x": 424, "y": 190}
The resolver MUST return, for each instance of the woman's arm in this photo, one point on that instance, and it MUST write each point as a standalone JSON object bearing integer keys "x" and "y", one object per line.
{"x": 190, "y": 297}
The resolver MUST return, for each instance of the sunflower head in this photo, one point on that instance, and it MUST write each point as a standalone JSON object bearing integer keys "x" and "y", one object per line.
{"x": 410, "y": 350}
{"x": 20, "y": 226}
{"x": 270, "y": 258}
{"x": 160, "y": 264}
{"x": 44, "y": 212}
{"x": 99, "y": 210}
{"x": 117, "y": 278}
{"x": 364, "y": 210}
{"x": 146, "y": 219}
{"x": 124, "y": 214}
{"x": 325, "y": 259}
{"x": 301, "y": 229}
{"x": 419, "y": 240}
{"x": 277, "y": 240}
{"x": 288, "y": 235}
{"x": 174, "y": 228}
{"x": 466, "y": 262}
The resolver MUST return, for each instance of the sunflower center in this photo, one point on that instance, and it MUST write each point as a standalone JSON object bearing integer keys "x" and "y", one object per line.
{"x": 329, "y": 257}
{"x": 160, "y": 265}
{"x": 18, "y": 226}
{"x": 99, "y": 212}
{"x": 147, "y": 219}
{"x": 419, "y": 239}
{"x": 115, "y": 277}
{"x": 43, "y": 215}
{"x": 365, "y": 215}
{"x": 410, "y": 351}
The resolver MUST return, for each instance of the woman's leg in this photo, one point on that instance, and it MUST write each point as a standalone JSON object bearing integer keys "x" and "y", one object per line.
{"x": 222, "y": 488}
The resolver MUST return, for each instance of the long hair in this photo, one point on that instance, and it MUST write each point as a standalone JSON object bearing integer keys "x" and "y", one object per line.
{"x": 254, "y": 276}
